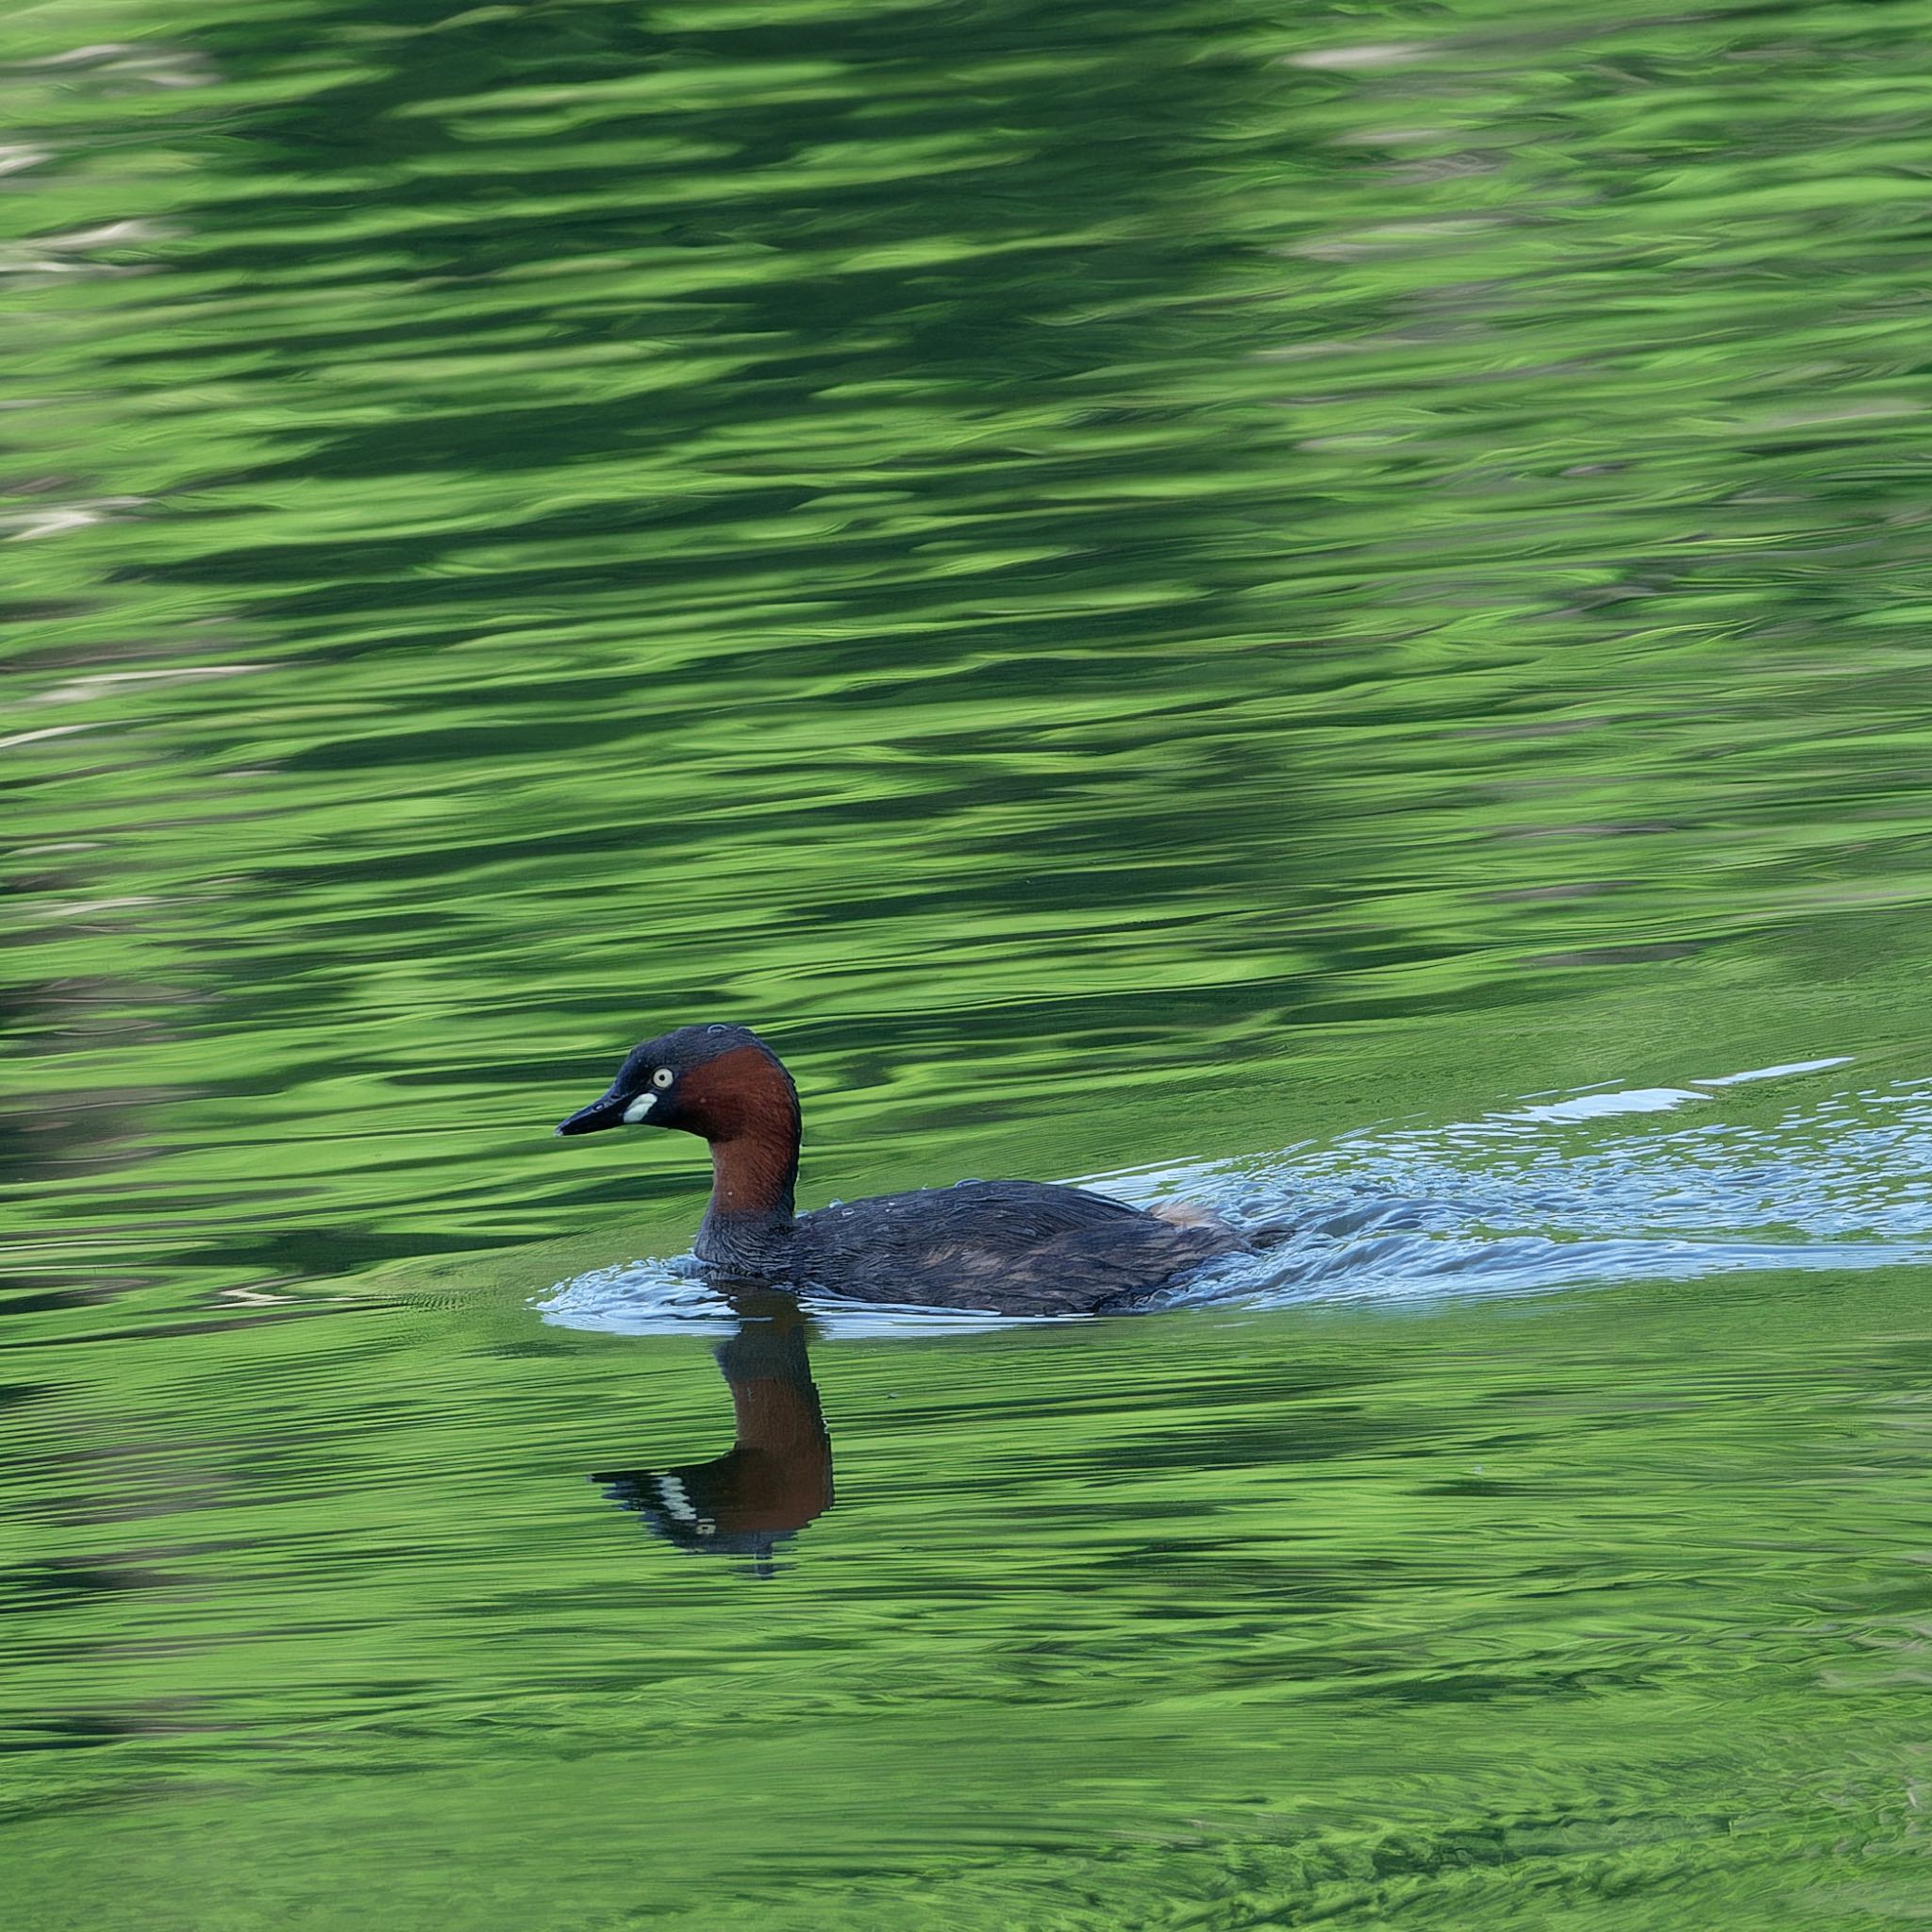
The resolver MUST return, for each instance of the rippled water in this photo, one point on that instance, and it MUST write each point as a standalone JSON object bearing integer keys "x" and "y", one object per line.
{"x": 1529, "y": 1199}
{"x": 1314, "y": 609}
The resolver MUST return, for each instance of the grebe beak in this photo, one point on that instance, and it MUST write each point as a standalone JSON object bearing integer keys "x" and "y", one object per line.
{"x": 610, "y": 1111}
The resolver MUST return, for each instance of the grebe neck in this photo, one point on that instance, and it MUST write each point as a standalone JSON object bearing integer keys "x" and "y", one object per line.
{"x": 749, "y": 1108}
{"x": 753, "y": 1177}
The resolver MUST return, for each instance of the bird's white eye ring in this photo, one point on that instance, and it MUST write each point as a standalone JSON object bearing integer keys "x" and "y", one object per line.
{"x": 663, "y": 1078}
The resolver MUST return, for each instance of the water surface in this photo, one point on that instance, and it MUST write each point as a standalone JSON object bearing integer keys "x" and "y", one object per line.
{"x": 1318, "y": 609}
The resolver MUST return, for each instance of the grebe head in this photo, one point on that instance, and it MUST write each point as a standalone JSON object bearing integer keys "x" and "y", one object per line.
{"x": 722, "y": 1083}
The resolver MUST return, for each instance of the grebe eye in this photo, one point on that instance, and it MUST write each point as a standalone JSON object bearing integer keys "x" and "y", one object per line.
{"x": 663, "y": 1078}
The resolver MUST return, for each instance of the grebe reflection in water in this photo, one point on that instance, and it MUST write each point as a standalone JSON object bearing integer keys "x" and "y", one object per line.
{"x": 777, "y": 1476}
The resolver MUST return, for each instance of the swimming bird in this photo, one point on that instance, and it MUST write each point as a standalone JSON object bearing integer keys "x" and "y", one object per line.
{"x": 1015, "y": 1247}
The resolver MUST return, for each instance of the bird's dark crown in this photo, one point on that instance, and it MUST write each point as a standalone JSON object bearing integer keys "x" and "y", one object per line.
{"x": 684, "y": 1049}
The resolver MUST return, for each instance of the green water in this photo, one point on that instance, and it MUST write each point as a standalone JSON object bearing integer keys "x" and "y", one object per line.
{"x": 1318, "y": 609}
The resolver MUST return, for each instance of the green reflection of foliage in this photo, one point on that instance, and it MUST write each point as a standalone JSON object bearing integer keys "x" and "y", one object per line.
{"x": 1295, "y": 1619}
{"x": 1025, "y": 555}
{"x": 1130, "y": 581}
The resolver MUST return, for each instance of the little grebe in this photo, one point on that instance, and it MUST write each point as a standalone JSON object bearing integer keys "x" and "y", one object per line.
{"x": 1017, "y": 1247}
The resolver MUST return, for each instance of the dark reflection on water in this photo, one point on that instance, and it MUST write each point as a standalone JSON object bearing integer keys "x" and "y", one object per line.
{"x": 1312, "y": 1614}
{"x": 777, "y": 1476}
